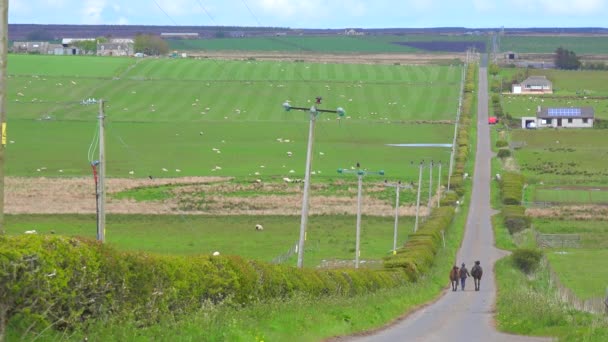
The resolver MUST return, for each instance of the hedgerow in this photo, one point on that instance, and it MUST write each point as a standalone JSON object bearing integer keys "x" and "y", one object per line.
{"x": 511, "y": 186}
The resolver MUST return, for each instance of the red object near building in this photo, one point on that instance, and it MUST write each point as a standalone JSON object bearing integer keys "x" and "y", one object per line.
{"x": 492, "y": 120}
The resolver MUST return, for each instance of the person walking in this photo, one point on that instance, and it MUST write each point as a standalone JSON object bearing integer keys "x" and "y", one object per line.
{"x": 477, "y": 272}
{"x": 463, "y": 276}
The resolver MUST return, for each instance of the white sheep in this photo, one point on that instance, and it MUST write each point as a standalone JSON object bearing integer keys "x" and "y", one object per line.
{"x": 30, "y": 232}
{"x": 216, "y": 253}
{"x": 259, "y": 227}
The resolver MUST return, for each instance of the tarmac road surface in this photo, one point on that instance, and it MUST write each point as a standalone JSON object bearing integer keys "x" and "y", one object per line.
{"x": 464, "y": 315}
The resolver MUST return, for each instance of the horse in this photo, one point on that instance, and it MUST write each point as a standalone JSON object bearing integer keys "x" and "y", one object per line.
{"x": 454, "y": 278}
{"x": 477, "y": 272}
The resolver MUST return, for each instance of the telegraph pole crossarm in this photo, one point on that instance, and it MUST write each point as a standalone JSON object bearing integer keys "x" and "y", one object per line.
{"x": 313, "y": 111}
{"x": 360, "y": 173}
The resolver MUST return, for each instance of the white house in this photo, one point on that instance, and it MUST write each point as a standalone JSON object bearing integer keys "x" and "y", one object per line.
{"x": 573, "y": 117}
{"x": 533, "y": 85}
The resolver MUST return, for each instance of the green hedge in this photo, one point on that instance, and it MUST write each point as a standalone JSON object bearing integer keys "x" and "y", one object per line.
{"x": 418, "y": 253}
{"x": 515, "y": 219}
{"x": 504, "y": 153}
{"x": 64, "y": 281}
{"x": 511, "y": 187}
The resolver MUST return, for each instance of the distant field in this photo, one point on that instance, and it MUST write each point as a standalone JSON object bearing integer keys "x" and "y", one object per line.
{"x": 563, "y": 157}
{"x": 571, "y": 194}
{"x": 329, "y": 237}
{"x": 164, "y": 113}
{"x": 75, "y": 66}
{"x": 570, "y": 90}
{"x": 548, "y": 44}
{"x": 594, "y": 234}
{"x": 334, "y": 44}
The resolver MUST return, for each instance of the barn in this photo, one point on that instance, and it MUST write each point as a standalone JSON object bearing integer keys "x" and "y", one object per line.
{"x": 571, "y": 117}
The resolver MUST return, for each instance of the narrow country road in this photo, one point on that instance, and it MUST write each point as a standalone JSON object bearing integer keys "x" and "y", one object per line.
{"x": 468, "y": 315}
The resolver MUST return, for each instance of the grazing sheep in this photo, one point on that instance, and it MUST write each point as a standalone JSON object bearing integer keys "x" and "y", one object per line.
{"x": 259, "y": 227}
{"x": 216, "y": 253}
{"x": 30, "y": 232}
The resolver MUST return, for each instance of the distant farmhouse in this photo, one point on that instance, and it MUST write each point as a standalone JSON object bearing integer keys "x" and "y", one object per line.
{"x": 533, "y": 85}
{"x": 575, "y": 117}
{"x": 353, "y": 32}
{"x": 116, "y": 47}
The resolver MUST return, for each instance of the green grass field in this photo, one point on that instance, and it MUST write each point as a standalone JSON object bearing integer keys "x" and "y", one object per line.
{"x": 563, "y": 157}
{"x": 571, "y": 195}
{"x": 584, "y": 271}
{"x": 548, "y": 44}
{"x": 330, "y": 44}
{"x": 328, "y": 237}
{"x": 594, "y": 234}
{"x": 171, "y": 114}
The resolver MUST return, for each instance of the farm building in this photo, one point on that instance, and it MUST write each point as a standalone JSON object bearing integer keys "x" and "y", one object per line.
{"x": 116, "y": 47}
{"x": 510, "y": 55}
{"x": 533, "y": 85}
{"x": 179, "y": 35}
{"x": 34, "y": 47}
{"x": 578, "y": 117}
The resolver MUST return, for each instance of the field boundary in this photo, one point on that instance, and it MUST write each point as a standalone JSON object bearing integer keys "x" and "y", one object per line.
{"x": 597, "y": 305}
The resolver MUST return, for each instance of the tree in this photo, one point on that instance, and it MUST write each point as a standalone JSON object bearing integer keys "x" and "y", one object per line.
{"x": 88, "y": 46}
{"x": 150, "y": 45}
{"x": 566, "y": 59}
{"x": 494, "y": 69}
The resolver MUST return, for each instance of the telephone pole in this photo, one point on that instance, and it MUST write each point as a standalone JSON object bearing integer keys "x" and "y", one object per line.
{"x": 360, "y": 173}
{"x": 3, "y": 61}
{"x": 313, "y": 111}
{"x": 398, "y": 186}
{"x": 439, "y": 187}
{"x": 418, "y": 196}
{"x": 101, "y": 190}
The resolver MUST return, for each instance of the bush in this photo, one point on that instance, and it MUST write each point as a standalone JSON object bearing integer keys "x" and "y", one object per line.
{"x": 527, "y": 259}
{"x": 515, "y": 219}
{"x": 504, "y": 153}
{"x": 501, "y": 143}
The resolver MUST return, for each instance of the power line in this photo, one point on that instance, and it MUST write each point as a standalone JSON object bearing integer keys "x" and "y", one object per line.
{"x": 162, "y": 10}
{"x": 251, "y": 12}
{"x": 206, "y": 12}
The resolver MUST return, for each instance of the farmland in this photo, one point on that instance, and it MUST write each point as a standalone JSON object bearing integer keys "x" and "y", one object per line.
{"x": 186, "y": 110}
{"x": 548, "y": 44}
{"x": 337, "y": 44}
{"x": 329, "y": 237}
{"x": 571, "y": 89}
{"x": 563, "y": 157}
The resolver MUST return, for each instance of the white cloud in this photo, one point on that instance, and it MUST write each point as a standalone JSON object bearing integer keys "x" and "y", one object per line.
{"x": 572, "y": 7}
{"x": 122, "y": 21}
{"x": 484, "y": 5}
{"x": 176, "y": 8}
{"x": 92, "y": 11}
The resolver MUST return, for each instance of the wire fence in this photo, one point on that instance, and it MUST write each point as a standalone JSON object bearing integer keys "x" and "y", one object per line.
{"x": 558, "y": 240}
{"x": 597, "y": 305}
{"x": 285, "y": 256}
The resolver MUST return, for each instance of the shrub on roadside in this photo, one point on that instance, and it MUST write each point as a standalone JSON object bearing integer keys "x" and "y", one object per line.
{"x": 501, "y": 143}
{"x": 527, "y": 259}
{"x": 504, "y": 153}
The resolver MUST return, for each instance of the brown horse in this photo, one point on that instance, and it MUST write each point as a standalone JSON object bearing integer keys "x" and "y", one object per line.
{"x": 477, "y": 272}
{"x": 454, "y": 278}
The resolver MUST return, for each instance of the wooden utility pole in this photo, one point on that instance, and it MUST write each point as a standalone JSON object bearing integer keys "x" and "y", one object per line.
{"x": 101, "y": 190}
{"x": 3, "y": 60}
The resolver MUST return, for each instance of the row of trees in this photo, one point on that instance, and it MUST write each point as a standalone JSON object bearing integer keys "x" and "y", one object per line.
{"x": 151, "y": 45}
{"x": 566, "y": 59}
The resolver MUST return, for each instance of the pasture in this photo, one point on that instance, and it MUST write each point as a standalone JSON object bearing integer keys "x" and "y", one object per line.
{"x": 581, "y": 45}
{"x": 562, "y": 157}
{"x": 571, "y": 194}
{"x": 336, "y": 44}
{"x": 594, "y": 234}
{"x": 195, "y": 115}
{"x": 584, "y": 271}
{"x": 328, "y": 237}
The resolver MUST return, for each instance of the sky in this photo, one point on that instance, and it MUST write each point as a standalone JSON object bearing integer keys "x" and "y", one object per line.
{"x": 315, "y": 13}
